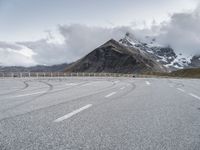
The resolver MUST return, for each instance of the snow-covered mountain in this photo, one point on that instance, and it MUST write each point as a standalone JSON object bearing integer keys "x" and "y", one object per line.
{"x": 162, "y": 54}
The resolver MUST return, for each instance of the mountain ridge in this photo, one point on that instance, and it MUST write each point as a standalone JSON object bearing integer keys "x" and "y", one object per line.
{"x": 114, "y": 57}
{"x": 163, "y": 54}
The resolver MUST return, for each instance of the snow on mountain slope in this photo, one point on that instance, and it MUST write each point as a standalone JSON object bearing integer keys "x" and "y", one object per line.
{"x": 162, "y": 54}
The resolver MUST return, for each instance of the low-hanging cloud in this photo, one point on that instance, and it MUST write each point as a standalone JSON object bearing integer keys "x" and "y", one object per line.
{"x": 81, "y": 39}
{"x": 13, "y": 54}
{"x": 182, "y": 32}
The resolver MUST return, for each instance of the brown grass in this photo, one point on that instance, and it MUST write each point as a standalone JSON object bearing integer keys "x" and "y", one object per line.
{"x": 184, "y": 73}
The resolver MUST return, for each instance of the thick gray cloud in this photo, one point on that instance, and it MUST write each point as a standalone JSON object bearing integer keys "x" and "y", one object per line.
{"x": 81, "y": 39}
{"x": 182, "y": 32}
{"x": 47, "y": 53}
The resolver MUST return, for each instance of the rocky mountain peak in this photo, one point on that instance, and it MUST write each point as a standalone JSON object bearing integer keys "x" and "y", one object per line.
{"x": 115, "y": 57}
{"x": 163, "y": 54}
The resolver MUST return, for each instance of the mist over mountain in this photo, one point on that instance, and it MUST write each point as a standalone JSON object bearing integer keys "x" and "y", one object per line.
{"x": 166, "y": 55}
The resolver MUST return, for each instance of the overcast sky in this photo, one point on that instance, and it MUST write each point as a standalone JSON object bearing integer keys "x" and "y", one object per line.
{"x": 56, "y": 31}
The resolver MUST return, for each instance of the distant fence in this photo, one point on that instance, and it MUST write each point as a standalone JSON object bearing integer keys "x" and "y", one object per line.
{"x": 61, "y": 74}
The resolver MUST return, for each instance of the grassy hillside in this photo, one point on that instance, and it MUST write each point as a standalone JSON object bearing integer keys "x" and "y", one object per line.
{"x": 187, "y": 73}
{"x": 190, "y": 73}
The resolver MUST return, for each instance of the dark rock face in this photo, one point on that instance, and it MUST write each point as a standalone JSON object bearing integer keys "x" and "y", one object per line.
{"x": 195, "y": 61}
{"x": 165, "y": 55}
{"x": 115, "y": 58}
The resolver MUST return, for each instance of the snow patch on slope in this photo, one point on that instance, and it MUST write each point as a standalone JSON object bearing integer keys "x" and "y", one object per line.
{"x": 164, "y": 55}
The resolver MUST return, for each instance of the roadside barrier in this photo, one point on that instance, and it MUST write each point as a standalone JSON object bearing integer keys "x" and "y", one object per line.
{"x": 62, "y": 74}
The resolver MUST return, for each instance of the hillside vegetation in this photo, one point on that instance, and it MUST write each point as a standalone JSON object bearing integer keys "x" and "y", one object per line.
{"x": 184, "y": 73}
{"x": 190, "y": 73}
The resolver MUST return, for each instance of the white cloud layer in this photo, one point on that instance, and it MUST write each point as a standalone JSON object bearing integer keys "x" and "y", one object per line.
{"x": 74, "y": 41}
{"x": 13, "y": 54}
{"x": 182, "y": 32}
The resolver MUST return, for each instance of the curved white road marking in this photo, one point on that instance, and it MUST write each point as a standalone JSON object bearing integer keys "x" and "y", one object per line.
{"x": 148, "y": 83}
{"x": 182, "y": 90}
{"x": 111, "y": 94}
{"x": 72, "y": 84}
{"x": 88, "y": 84}
{"x": 72, "y": 113}
{"x": 122, "y": 88}
{"x": 24, "y": 95}
{"x": 195, "y": 96}
{"x": 116, "y": 82}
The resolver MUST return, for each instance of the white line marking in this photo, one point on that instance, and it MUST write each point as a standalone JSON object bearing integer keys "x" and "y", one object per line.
{"x": 182, "y": 90}
{"x": 113, "y": 93}
{"x": 29, "y": 94}
{"x": 87, "y": 84}
{"x": 148, "y": 83}
{"x": 116, "y": 82}
{"x": 195, "y": 96}
{"x": 122, "y": 88}
{"x": 72, "y": 113}
{"x": 56, "y": 90}
{"x": 72, "y": 84}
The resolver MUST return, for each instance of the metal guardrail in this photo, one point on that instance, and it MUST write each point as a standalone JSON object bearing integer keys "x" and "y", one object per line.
{"x": 72, "y": 74}
{"x": 77, "y": 74}
{"x": 62, "y": 74}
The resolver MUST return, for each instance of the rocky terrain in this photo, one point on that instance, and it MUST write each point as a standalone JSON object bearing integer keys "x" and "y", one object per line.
{"x": 164, "y": 55}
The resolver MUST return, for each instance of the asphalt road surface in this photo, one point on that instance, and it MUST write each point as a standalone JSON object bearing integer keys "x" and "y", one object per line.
{"x": 99, "y": 113}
